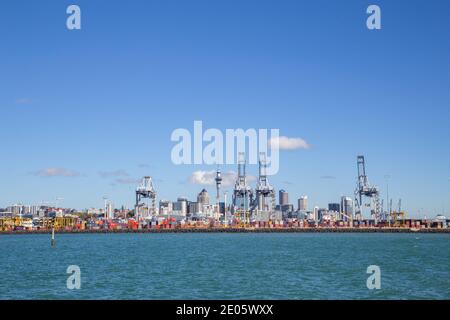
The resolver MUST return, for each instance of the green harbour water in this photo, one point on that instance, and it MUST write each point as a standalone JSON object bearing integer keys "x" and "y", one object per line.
{"x": 226, "y": 266}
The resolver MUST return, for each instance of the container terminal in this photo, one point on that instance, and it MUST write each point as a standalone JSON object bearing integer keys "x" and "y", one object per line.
{"x": 250, "y": 210}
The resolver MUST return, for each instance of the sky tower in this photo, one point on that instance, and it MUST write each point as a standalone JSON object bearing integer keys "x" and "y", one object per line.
{"x": 218, "y": 185}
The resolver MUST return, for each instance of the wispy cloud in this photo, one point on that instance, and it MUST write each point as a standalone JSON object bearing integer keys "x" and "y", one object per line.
{"x": 328, "y": 177}
{"x": 56, "y": 172}
{"x": 286, "y": 143}
{"x": 23, "y": 101}
{"x": 113, "y": 174}
{"x": 127, "y": 181}
{"x": 207, "y": 178}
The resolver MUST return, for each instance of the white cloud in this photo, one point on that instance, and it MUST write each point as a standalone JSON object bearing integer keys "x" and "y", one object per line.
{"x": 328, "y": 177}
{"x": 23, "y": 101}
{"x": 116, "y": 173}
{"x": 56, "y": 172}
{"x": 207, "y": 178}
{"x": 128, "y": 181}
{"x": 286, "y": 143}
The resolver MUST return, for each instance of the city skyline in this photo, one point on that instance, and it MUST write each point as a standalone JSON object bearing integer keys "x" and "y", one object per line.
{"x": 88, "y": 113}
{"x": 286, "y": 202}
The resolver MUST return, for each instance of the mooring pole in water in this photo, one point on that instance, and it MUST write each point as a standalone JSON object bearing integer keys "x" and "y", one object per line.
{"x": 53, "y": 236}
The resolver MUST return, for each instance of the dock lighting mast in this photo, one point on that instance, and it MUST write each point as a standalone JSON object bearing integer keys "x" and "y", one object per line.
{"x": 242, "y": 194}
{"x": 218, "y": 185}
{"x": 364, "y": 189}
{"x": 105, "y": 199}
{"x": 264, "y": 190}
{"x": 58, "y": 199}
{"x": 225, "y": 197}
{"x": 145, "y": 191}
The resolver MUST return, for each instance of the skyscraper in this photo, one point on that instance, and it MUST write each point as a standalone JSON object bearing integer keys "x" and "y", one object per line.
{"x": 347, "y": 206}
{"x": 181, "y": 206}
{"x": 316, "y": 213}
{"x": 165, "y": 207}
{"x": 284, "y": 197}
{"x": 336, "y": 207}
{"x": 110, "y": 210}
{"x": 203, "y": 197}
{"x": 303, "y": 203}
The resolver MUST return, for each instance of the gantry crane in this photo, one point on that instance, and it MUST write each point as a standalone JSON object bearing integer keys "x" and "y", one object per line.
{"x": 365, "y": 190}
{"x": 145, "y": 191}
{"x": 242, "y": 194}
{"x": 264, "y": 190}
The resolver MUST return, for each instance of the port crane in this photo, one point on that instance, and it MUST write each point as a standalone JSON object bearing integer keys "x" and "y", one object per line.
{"x": 365, "y": 190}
{"x": 264, "y": 191}
{"x": 242, "y": 193}
{"x": 54, "y": 203}
{"x": 145, "y": 191}
{"x": 399, "y": 215}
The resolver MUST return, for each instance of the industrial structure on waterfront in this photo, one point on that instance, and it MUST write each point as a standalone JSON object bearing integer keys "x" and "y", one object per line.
{"x": 249, "y": 207}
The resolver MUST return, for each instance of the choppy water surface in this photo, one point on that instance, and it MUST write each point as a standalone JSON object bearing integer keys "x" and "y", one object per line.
{"x": 226, "y": 266}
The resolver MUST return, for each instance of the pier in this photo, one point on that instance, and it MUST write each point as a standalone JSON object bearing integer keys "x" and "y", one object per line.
{"x": 236, "y": 230}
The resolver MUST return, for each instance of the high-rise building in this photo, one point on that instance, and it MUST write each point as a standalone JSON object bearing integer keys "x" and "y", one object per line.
{"x": 26, "y": 209}
{"x": 165, "y": 207}
{"x": 303, "y": 203}
{"x": 347, "y": 206}
{"x": 321, "y": 213}
{"x": 284, "y": 197}
{"x": 181, "y": 206}
{"x": 222, "y": 207}
{"x": 336, "y": 207}
{"x": 16, "y": 209}
{"x": 287, "y": 208}
{"x": 34, "y": 210}
{"x": 203, "y": 197}
{"x": 110, "y": 210}
{"x": 194, "y": 207}
{"x": 316, "y": 213}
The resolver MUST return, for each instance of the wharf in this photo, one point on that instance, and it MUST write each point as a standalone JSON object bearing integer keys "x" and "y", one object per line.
{"x": 240, "y": 230}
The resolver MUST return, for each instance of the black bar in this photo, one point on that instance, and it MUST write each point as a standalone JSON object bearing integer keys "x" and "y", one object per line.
{"x": 236, "y": 309}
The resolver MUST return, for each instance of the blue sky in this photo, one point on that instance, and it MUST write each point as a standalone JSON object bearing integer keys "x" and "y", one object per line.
{"x": 101, "y": 103}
